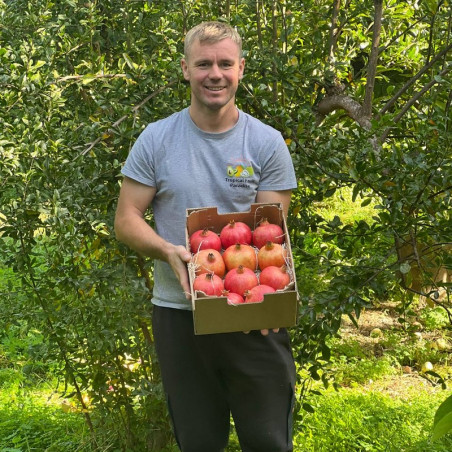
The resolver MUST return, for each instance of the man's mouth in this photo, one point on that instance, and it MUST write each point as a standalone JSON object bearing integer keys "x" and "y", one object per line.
{"x": 214, "y": 88}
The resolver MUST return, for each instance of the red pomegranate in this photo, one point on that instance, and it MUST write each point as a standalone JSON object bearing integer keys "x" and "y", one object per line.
{"x": 209, "y": 261}
{"x": 239, "y": 254}
{"x": 232, "y": 297}
{"x": 271, "y": 254}
{"x": 235, "y": 232}
{"x": 276, "y": 277}
{"x": 209, "y": 283}
{"x": 257, "y": 293}
{"x": 204, "y": 239}
{"x": 240, "y": 279}
{"x": 267, "y": 232}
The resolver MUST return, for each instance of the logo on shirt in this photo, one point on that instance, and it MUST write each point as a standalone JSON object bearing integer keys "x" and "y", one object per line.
{"x": 240, "y": 169}
{"x": 238, "y": 172}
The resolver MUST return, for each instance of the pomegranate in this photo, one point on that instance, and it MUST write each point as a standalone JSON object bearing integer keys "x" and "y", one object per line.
{"x": 276, "y": 277}
{"x": 209, "y": 283}
{"x": 239, "y": 254}
{"x": 235, "y": 232}
{"x": 209, "y": 261}
{"x": 267, "y": 232}
{"x": 232, "y": 297}
{"x": 204, "y": 239}
{"x": 257, "y": 293}
{"x": 240, "y": 279}
{"x": 271, "y": 254}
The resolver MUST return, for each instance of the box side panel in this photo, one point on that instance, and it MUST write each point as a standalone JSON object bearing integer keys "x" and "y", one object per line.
{"x": 215, "y": 315}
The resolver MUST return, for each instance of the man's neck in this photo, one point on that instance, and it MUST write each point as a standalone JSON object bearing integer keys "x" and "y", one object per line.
{"x": 215, "y": 121}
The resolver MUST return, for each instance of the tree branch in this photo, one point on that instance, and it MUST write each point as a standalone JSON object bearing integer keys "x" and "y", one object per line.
{"x": 275, "y": 50}
{"x": 346, "y": 103}
{"x": 110, "y": 131}
{"x": 410, "y": 82}
{"x": 258, "y": 24}
{"x": 403, "y": 32}
{"x": 373, "y": 59}
{"x": 81, "y": 77}
{"x": 413, "y": 100}
{"x": 332, "y": 41}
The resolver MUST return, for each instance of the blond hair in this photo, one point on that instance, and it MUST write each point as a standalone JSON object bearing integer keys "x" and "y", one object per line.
{"x": 211, "y": 32}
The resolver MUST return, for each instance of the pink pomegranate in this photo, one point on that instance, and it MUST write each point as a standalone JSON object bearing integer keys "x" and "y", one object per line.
{"x": 267, "y": 232}
{"x": 209, "y": 283}
{"x": 204, "y": 239}
{"x": 209, "y": 261}
{"x": 232, "y": 297}
{"x": 256, "y": 294}
{"x": 276, "y": 277}
{"x": 239, "y": 254}
{"x": 240, "y": 279}
{"x": 235, "y": 232}
{"x": 271, "y": 254}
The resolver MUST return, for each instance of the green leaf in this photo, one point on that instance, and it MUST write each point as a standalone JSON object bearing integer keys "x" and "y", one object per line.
{"x": 353, "y": 320}
{"x": 443, "y": 426}
{"x": 326, "y": 352}
{"x": 444, "y": 409}
{"x": 405, "y": 268}
{"x": 129, "y": 61}
{"x": 307, "y": 407}
{"x": 87, "y": 78}
{"x": 356, "y": 191}
{"x": 39, "y": 64}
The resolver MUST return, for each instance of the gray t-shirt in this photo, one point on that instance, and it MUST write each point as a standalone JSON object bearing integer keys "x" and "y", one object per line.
{"x": 191, "y": 168}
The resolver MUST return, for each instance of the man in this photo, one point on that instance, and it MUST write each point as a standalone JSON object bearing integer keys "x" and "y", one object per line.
{"x": 185, "y": 161}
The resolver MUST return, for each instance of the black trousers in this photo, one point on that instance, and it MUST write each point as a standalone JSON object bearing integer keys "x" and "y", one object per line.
{"x": 207, "y": 378}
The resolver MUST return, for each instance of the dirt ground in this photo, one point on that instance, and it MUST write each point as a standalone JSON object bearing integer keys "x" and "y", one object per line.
{"x": 410, "y": 378}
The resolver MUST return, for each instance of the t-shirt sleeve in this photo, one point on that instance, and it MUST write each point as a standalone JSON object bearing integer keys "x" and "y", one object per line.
{"x": 277, "y": 168}
{"x": 139, "y": 164}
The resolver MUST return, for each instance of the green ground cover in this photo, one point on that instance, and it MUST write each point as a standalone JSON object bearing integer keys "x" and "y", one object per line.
{"x": 383, "y": 401}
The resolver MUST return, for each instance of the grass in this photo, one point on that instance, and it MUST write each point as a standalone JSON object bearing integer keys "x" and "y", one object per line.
{"x": 384, "y": 401}
{"x": 34, "y": 419}
{"x": 356, "y": 418}
{"x": 341, "y": 204}
{"x": 360, "y": 420}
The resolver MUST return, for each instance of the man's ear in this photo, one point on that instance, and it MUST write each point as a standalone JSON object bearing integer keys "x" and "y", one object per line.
{"x": 184, "y": 66}
{"x": 241, "y": 68}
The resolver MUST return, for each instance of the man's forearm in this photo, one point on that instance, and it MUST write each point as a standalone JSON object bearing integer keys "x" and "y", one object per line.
{"x": 139, "y": 236}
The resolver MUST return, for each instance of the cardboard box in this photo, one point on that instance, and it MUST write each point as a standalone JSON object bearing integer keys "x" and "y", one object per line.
{"x": 214, "y": 314}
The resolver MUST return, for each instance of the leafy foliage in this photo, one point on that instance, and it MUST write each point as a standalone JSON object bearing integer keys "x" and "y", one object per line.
{"x": 79, "y": 81}
{"x": 443, "y": 419}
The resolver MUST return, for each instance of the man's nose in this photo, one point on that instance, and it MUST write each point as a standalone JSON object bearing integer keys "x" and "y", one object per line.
{"x": 215, "y": 71}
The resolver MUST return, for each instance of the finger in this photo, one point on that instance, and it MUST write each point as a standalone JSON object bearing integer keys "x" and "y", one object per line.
{"x": 264, "y": 332}
{"x": 246, "y": 332}
{"x": 276, "y": 330}
{"x": 186, "y": 256}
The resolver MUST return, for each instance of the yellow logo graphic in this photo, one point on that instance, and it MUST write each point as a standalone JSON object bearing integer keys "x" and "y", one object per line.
{"x": 240, "y": 170}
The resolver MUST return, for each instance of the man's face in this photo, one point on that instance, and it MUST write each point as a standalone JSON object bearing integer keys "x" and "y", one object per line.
{"x": 214, "y": 71}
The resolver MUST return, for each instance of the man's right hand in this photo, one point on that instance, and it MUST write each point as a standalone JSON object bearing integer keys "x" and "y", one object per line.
{"x": 178, "y": 258}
